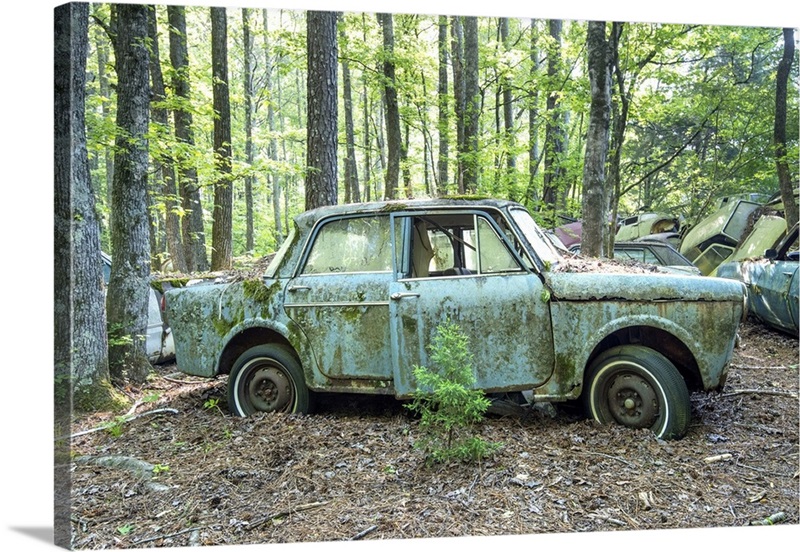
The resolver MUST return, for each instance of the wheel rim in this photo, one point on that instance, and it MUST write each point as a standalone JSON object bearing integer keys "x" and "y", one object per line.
{"x": 632, "y": 400}
{"x": 269, "y": 389}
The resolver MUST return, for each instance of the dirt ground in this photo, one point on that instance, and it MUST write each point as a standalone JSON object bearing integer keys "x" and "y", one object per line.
{"x": 185, "y": 472}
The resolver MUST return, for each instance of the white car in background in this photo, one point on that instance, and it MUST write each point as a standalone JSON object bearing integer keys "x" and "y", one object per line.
{"x": 159, "y": 344}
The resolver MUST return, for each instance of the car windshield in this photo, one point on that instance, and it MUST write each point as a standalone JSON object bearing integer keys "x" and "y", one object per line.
{"x": 543, "y": 247}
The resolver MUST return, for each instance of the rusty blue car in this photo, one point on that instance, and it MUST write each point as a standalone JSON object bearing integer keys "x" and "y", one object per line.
{"x": 353, "y": 297}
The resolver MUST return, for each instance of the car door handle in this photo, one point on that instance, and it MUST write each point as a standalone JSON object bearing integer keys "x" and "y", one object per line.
{"x": 299, "y": 288}
{"x": 397, "y": 295}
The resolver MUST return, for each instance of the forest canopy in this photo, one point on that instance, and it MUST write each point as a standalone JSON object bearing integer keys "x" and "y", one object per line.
{"x": 484, "y": 105}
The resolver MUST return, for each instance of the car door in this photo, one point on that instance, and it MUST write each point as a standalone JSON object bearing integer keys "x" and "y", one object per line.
{"x": 458, "y": 267}
{"x": 339, "y": 298}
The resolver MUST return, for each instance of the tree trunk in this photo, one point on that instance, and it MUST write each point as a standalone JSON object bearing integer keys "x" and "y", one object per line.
{"x": 194, "y": 242}
{"x": 222, "y": 228}
{"x": 784, "y": 173}
{"x": 472, "y": 105}
{"x": 322, "y": 96}
{"x": 555, "y": 138}
{"x": 249, "y": 155}
{"x": 101, "y": 46}
{"x": 351, "y": 191}
{"x": 394, "y": 136}
{"x": 508, "y": 112}
{"x": 129, "y": 286}
{"x": 165, "y": 164}
{"x": 532, "y": 194}
{"x": 272, "y": 148}
{"x": 457, "y": 54}
{"x": 594, "y": 197}
{"x": 443, "y": 177}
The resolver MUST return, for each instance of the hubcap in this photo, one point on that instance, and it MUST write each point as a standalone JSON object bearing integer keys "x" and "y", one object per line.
{"x": 270, "y": 390}
{"x": 633, "y": 401}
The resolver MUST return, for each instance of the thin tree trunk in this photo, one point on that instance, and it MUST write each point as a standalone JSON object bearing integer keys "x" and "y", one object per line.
{"x": 194, "y": 242}
{"x": 249, "y": 154}
{"x": 442, "y": 180}
{"x": 555, "y": 139}
{"x": 457, "y": 54}
{"x": 472, "y": 105}
{"x": 166, "y": 167}
{"x": 594, "y": 197}
{"x": 272, "y": 148}
{"x": 532, "y": 194}
{"x": 784, "y": 173}
{"x": 508, "y": 111}
{"x": 129, "y": 286}
{"x": 101, "y": 46}
{"x": 393, "y": 132}
{"x": 351, "y": 191}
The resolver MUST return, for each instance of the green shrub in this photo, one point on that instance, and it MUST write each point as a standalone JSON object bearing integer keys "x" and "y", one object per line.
{"x": 448, "y": 406}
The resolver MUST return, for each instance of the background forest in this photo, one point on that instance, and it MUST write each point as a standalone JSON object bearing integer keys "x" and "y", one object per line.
{"x": 486, "y": 105}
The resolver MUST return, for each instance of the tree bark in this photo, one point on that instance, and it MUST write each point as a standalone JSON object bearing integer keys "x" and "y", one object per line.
{"x": 322, "y": 96}
{"x": 129, "y": 286}
{"x": 594, "y": 198}
{"x": 249, "y": 179}
{"x": 784, "y": 173}
{"x": 351, "y": 192}
{"x": 555, "y": 137}
{"x": 394, "y": 136}
{"x": 165, "y": 163}
{"x": 194, "y": 242}
{"x": 532, "y": 194}
{"x": 222, "y": 227}
{"x": 457, "y": 54}
{"x": 272, "y": 148}
{"x": 443, "y": 177}
{"x": 81, "y": 376}
{"x": 508, "y": 111}
{"x": 472, "y": 105}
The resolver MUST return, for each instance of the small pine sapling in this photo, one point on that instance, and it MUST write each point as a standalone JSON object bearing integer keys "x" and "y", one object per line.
{"x": 448, "y": 405}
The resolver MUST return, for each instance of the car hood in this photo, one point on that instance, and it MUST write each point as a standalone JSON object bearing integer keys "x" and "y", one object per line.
{"x": 588, "y": 286}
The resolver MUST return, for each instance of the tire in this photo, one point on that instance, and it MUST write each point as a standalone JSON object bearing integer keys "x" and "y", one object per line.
{"x": 267, "y": 378}
{"x": 637, "y": 387}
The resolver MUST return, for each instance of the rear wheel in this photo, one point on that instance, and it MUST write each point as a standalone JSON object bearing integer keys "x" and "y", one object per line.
{"x": 267, "y": 378}
{"x": 639, "y": 388}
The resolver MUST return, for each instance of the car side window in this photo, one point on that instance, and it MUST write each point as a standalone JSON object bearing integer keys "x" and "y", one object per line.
{"x": 361, "y": 244}
{"x": 458, "y": 245}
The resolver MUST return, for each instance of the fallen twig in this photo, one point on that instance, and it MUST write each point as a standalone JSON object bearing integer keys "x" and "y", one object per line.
{"x": 182, "y": 381}
{"x": 718, "y": 458}
{"x": 125, "y": 419}
{"x": 151, "y": 539}
{"x": 617, "y": 458}
{"x": 364, "y": 533}
{"x": 141, "y": 469}
{"x": 761, "y": 392}
{"x": 287, "y": 512}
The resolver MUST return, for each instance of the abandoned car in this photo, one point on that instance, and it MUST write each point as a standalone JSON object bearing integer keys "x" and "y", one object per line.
{"x": 773, "y": 287}
{"x": 352, "y": 299}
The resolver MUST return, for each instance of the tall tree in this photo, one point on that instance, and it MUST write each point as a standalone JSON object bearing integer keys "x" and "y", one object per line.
{"x": 249, "y": 153}
{"x": 80, "y": 338}
{"x": 351, "y": 191}
{"x": 394, "y": 135}
{"x": 555, "y": 134}
{"x": 472, "y": 105}
{"x": 508, "y": 107}
{"x": 444, "y": 111}
{"x": 129, "y": 285}
{"x": 222, "y": 228}
{"x": 322, "y": 96}
{"x": 101, "y": 47}
{"x": 273, "y": 99}
{"x": 163, "y": 159}
{"x": 459, "y": 95}
{"x": 193, "y": 232}
{"x": 784, "y": 174}
{"x": 595, "y": 201}
{"x": 534, "y": 158}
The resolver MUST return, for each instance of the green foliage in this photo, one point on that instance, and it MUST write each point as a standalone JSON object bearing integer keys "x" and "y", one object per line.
{"x": 448, "y": 406}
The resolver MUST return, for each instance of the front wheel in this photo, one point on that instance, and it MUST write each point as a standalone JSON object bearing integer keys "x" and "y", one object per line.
{"x": 639, "y": 388}
{"x": 267, "y": 378}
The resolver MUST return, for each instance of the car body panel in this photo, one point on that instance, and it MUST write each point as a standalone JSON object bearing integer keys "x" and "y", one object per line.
{"x": 656, "y": 253}
{"x": 362, "y": 315}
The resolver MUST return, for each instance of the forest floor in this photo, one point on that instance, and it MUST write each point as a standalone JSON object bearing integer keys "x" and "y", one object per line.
{"x": 351, "y": 471}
